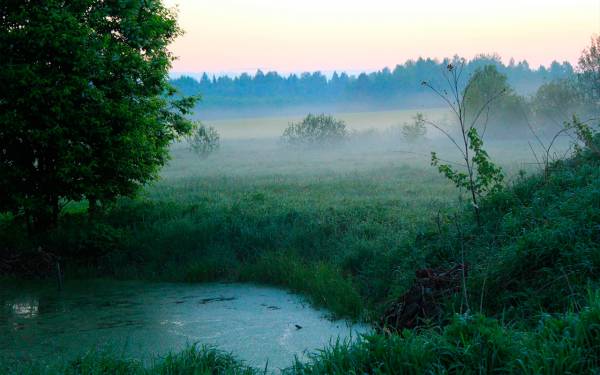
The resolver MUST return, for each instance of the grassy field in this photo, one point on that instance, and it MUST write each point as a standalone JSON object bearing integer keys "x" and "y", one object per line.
{"x": 347, "y": 227}
{"x": 336, "y": 224}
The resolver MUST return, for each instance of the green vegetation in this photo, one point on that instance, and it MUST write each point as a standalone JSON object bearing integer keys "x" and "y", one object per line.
{"x": 204, "y": 140}
{"x": 388, "y": 88}
{"x": 193, "y": 360}
{"x": 83, "y": 110}
{"x": 478, "y": 175}
{"x": 86, "y": 121}
{"x": 316, "y": 130}
{"x": 533, "y": 262}
{"x": 415, "y": 131}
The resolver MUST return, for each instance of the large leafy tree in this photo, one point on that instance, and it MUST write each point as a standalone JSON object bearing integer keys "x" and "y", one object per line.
{"x": 504, "y": 110}
{"x": 85, "y": 107}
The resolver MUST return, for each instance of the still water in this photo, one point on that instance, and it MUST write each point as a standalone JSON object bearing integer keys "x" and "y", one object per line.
{"x": 144, "y": 320}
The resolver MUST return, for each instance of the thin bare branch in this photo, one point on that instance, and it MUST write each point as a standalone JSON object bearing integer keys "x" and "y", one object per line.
{"x": 451, "y": 138}
{"x": 485, "y": 105}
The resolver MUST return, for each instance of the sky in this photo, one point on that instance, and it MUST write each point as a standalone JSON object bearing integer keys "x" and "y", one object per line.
{"x": 234, "y": 36}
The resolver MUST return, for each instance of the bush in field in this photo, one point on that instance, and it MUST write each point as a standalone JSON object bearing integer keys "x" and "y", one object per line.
{"x": 415, "y": 131}
{"x": 316, "y": 130}
{"x": 204, "y": 140}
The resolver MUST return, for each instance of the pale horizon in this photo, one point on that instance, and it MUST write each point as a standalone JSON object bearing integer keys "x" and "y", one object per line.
{"x": 235, "y": 36}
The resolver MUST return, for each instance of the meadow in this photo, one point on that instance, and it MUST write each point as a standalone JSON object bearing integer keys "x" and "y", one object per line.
{"x": 336, "y": 224}
{"x": 347, "y": 227}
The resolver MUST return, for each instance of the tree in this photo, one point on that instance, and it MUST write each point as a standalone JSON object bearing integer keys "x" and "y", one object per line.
{"x": 416, "y": 130}
{"x": 503, "y": 114}
{"x": 478, "y": 175}
{"x": 557, "y": 101}
{"x": 85, "y": 107}
{"x": 204, "y": 140}
{"x": 589, "y": 70}
{"x": 316, "y": 130}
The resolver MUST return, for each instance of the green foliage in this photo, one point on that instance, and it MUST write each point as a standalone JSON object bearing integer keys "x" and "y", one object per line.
{"x": 564, "y": 344}
{"x": 532, "y": 261}
{"x": 415, "y": 131}
{"x": 323, "y": 283}
{"x": 203, "y": 360}
{"x": 557, "y": 100}
{"x": 480, "y": 175}
{"x": 589, "y": 69}
{"x": 484, "y": 86}
{"x": 83, "y": 111}
{"x": 316, "y": 130}
{"x": 588, "y": 137}
{"x": 204, "y": 140}
{"x": 263, "y": 92}
{"x": 486, "y": 177}
{"x": 493, "y": 104}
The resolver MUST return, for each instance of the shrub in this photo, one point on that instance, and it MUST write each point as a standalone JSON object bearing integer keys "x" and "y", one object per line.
{"x": 316, "y": 130}
{"x": 204, "y": 140}
{"x": 416, "y": 130}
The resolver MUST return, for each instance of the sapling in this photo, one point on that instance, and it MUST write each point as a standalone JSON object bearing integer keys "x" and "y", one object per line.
{"x": 479, "y": 174}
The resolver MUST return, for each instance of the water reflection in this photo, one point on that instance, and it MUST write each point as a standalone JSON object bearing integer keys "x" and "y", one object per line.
{"x": 25, "y": 308}
{"x": 143, "y": 320}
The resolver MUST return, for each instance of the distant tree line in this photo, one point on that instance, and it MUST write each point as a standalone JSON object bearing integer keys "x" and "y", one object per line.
{"x": 381, "y": 88}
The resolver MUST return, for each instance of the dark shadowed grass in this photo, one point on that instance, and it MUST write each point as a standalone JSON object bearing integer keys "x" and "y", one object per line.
{"x": 196, "y": 360}
{"x": 473, "y": 344}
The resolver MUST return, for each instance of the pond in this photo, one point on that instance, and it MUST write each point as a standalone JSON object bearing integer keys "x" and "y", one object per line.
{"x": 145, "y": 320}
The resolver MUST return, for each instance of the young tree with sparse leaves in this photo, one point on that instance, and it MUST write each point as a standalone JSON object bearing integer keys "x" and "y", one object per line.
{"x": 478, "y": 175}
{"x": 415, "y": 131}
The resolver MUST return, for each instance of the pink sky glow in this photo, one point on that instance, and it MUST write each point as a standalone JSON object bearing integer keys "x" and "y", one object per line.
{"x": 232, "y": 36}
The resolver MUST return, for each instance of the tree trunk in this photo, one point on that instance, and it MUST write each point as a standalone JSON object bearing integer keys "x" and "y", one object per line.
{"x": 45, "y": 216}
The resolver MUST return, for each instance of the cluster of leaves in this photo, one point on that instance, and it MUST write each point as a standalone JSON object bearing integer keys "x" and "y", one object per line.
{"x": 416, "y": 130}
{"x": 488, "y": 177}
{"x": 316, "y": 130}
{"x": 204, "y": 140}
